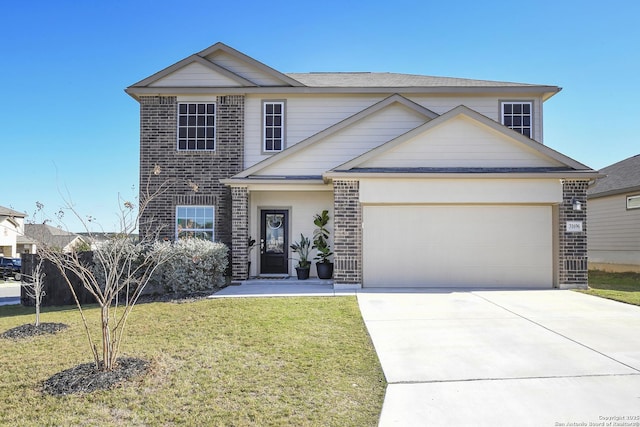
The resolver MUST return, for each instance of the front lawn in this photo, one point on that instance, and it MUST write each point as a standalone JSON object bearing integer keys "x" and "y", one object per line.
{"x": 624, "y": 287}
{"x": 245, "y": 361}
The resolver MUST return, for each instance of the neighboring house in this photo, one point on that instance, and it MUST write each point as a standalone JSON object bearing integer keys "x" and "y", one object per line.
{"x": 614, "y": 218}
{"x": 429, "y": 181}
{"x": 53, "y": 237}
{"x": 12, "y": 241}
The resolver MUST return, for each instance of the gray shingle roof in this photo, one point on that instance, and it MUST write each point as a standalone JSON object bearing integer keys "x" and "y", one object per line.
{"x": 366, "y": 79}
{"x": 49, "y": 235}
{"x": 621, "y": 177}
{"x": 10, "y": 212}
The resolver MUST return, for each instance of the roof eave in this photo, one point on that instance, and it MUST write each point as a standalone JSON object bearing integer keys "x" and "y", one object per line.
{"x": 464, "y": 175}
{"x": 546, "y": 91}
{"x": 244, "y": 182}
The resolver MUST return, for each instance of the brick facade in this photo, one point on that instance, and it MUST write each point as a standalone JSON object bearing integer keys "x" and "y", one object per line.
{"x": 572, "y": 257}
{"x": 240, "y": 232}
{"x": 347, "y": 229}
{"x": 191, "y": 177}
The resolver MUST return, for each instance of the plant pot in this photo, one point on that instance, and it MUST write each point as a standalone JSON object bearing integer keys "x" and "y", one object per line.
{"x": 302, "y": 272}
{"x": 325, "y": 270}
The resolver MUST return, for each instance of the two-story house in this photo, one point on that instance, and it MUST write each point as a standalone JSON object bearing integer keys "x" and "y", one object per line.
{"x": 13, "y": 241}
{"x": 429, "y": 181}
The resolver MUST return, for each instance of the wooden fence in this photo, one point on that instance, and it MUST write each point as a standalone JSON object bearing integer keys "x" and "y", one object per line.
{"x": 56, "y": 289}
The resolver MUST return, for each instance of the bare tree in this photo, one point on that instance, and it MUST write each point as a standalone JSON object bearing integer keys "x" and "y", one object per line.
{"x": 116, "y": 276}
{"x": 34, "y": 287}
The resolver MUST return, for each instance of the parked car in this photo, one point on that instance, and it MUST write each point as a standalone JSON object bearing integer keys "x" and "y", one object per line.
{"x": 10, "y": 267}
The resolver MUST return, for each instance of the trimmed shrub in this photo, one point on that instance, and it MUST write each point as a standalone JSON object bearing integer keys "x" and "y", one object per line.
{"x": 196, "y": 265}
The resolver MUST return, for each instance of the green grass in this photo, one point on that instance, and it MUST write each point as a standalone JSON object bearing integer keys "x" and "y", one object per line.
{"x": 624, "y": 287}
{"x": 231, "y": 362}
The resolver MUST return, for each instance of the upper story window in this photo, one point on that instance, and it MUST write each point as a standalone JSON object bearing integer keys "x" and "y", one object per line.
{"x": 196, "y": 126}
{"x": 273, "y": 120}
{"x": 518, "y": 116}
{"x": 633, "y": 202}
{"x": 194, "y": 222}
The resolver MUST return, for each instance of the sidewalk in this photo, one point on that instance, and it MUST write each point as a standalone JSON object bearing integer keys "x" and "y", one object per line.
{"x": 9, "y": 292}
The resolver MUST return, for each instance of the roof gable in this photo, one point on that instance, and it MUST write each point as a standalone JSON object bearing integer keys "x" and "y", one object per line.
{"x": 461, "y": 138}
{"x": 201, "y": 73}
{"x": 217, "y": 66}
{"x": 401, "y": 113}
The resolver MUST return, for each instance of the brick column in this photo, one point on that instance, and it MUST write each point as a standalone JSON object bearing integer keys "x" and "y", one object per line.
{"x": 572, "y": 267}
{"x": 229, "y": 161}
{"x": 240, "y": 232}
{"x": 347, "y": 229}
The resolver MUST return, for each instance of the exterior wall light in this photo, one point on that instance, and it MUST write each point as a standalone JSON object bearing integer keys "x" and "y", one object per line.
{"x": 577, "y": 206}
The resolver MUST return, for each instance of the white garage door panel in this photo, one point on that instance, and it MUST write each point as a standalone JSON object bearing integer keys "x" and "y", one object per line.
{"x": 432, "y": 246}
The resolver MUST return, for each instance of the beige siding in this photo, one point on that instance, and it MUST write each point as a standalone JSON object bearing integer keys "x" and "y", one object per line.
{"x": 613, "y": 231}
{"x": 307, "y": 115}
{"x": 302, "y": 206}
{"x": 460, "y": 191}
{"x": 348, "y": 143}
{"x": 486, "y": 105}
{"x": 461, "y": 142}
{"x": 243, "y": 69}
{"x": 195, "y": 75}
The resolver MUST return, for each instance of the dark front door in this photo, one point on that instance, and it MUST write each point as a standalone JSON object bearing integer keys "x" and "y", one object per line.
{"x": 274, "y": 241}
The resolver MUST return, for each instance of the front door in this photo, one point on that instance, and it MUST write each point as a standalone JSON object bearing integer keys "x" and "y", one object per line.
{"x": 274, "y": 241}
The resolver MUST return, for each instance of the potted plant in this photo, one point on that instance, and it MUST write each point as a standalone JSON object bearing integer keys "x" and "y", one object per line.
{"x": 320, "y": 236}
{"x": 302, "y": 248}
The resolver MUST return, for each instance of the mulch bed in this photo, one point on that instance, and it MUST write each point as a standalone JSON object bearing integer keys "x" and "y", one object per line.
{"x": 86, "y": 378}
{"x": 29, "y": 330}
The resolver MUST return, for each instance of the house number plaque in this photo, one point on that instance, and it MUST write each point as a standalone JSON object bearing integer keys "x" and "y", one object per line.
{"x": 574, "y": 226}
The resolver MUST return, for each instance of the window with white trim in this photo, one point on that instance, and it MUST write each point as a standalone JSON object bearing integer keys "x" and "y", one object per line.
{"x": 518, "y": 116}
{"x": 633, "y": 202}
{"x": 194, "y": 222}
{"x": 273, "y": 126}
{"x": 196, "y": 126}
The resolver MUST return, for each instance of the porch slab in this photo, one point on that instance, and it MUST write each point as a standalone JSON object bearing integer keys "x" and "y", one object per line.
{"x": 282, "y": 288}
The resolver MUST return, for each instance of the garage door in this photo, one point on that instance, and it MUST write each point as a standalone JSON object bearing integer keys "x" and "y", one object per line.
{"x": 457, "y": 246}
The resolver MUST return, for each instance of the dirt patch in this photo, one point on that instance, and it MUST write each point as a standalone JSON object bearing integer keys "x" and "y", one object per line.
{"x": 86, "y": 378}
{"x": 29, "y": 330}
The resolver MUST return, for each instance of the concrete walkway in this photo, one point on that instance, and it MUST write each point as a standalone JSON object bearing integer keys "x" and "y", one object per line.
{"x": 281, "y": 288}
{"x": 504, "y": 358}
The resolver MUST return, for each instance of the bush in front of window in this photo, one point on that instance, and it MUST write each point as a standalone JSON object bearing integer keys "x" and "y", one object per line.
{"x": 196, "y": 265}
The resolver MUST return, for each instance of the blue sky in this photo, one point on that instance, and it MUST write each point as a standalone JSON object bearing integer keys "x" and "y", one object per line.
{"x": 68, "y": 130}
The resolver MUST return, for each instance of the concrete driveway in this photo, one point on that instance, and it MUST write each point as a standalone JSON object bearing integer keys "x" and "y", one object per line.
{"x": 505, "y": 358}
